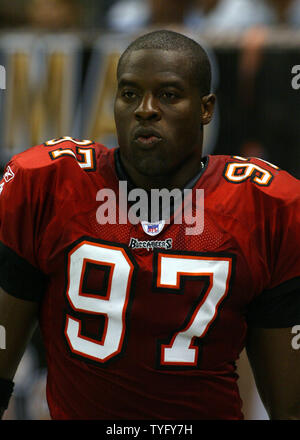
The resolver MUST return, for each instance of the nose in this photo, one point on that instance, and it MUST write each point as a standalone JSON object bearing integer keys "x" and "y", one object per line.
{"x": 147, "y": 109}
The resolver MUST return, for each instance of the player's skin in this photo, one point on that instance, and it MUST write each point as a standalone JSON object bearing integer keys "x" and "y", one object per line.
{"x": 156, "y": 92}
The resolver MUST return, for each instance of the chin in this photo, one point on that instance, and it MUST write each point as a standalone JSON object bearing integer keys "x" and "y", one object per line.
{"x": 152, "y": 168}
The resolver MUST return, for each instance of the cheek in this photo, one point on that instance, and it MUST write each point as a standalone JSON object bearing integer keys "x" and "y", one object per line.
{"x": 123, "y": 118}
{"x": 185, "y": 130}
{"x": 185, "y": 118}
{"x": 122, "y": 129}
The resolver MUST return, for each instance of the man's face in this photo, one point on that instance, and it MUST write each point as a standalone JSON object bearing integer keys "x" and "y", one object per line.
{"x": 158, "y": 113}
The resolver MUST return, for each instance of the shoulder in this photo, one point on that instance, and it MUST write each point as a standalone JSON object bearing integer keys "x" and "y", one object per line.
{"x": 47, "y": 167}
{"x": 63, "y": 157}
{"x": 257, "y": 179}
{"x": 65, "y": 150}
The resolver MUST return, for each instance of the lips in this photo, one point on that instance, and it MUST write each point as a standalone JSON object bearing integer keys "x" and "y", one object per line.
{"x": 148, "y": 140}
{"x": 147, "y": 136}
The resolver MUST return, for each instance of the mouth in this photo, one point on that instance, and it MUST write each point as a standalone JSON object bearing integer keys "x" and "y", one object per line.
{"x": 147, "y": 137}
{"x": 148, "y": 140}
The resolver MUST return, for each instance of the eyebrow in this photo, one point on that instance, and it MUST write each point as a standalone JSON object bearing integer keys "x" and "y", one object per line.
{"x": 125, "y": 82}
{"x": 167, "y": 83}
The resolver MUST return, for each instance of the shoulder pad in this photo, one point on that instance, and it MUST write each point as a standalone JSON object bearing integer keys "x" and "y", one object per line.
{"x": 263, "y": 176}
{"x": 81, "y": 152}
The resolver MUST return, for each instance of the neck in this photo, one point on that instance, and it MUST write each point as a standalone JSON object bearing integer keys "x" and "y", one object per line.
{"x": 176, "y": 179}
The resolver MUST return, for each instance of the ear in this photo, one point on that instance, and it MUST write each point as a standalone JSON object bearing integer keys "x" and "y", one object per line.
{"x": 207, "y": 107}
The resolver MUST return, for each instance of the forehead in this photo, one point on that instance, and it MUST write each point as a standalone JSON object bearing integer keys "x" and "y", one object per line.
{"x": 155, "y": 64}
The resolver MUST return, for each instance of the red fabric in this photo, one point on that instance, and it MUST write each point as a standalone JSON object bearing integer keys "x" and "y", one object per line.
{"x": 51, "y": 204}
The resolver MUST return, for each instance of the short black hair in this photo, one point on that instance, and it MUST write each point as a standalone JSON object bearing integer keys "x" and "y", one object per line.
{"x": 173, "y": 41}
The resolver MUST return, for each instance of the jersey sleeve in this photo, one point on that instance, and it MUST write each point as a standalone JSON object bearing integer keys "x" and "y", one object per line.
{"x": 279, "y": 304}
{"x": 20, "y": 212}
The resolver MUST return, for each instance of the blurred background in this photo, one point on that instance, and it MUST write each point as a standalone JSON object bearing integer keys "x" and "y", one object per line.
{"x": 60, "y": 58}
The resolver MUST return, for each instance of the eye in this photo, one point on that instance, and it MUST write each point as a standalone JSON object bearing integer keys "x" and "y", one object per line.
{"x": 128, "y": 94}
{"x": 168, "y": 96}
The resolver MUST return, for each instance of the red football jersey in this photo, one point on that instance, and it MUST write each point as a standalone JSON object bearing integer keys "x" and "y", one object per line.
{"x": 141, "y": 330}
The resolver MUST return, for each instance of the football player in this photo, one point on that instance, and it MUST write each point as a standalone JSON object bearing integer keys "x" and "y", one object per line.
{"x": 144, "y": 320}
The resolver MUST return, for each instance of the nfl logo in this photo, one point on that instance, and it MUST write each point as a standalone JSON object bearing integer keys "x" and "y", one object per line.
{"x": 153, "y": 228}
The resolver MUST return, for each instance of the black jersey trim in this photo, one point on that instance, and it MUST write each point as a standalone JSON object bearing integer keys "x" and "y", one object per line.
{"x": 276, "y": 308}
{"x": 18, "y": 277}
